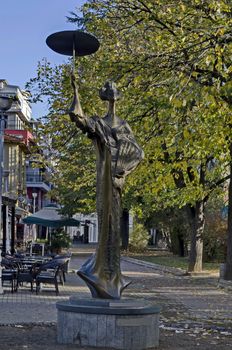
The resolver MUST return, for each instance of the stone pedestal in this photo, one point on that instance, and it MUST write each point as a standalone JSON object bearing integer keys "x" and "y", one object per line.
{"x": 105, "y": 324}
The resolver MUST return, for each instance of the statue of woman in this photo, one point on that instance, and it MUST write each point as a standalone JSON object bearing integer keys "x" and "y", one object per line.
{"x": 117, "y": 154}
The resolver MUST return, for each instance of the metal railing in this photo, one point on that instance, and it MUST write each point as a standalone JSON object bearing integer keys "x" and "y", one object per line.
{"x": 36, "y": 178}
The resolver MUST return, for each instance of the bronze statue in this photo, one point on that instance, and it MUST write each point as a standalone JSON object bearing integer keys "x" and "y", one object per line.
{"x": 117, "y": 155}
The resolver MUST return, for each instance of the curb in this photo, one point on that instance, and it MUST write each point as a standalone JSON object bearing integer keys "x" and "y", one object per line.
{"x": 173, "y": 270}
{"x": 225, "y": 284}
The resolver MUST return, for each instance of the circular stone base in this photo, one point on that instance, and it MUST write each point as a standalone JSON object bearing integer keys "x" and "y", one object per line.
{"x": 110, "y": 324}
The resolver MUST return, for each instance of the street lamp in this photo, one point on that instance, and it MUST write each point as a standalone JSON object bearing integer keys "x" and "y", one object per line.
{"x": 5, "y": 104}
{"x": 34, "y": 233}
{"x": 34, "y": 195}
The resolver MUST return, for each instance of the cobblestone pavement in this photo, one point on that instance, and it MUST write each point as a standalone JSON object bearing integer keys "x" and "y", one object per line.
{"x": 194, "y": 309}
{"x": 39, "y": 337}
{"x": 27, "y": 307}
{"x": 184, "y": 300}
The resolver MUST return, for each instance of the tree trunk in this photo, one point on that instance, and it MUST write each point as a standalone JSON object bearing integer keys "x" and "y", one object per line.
{"x": 197, "y": 218}
{"x": 125, "y": 229}
{"x": 228, "y": 267}
{"x": 181, "y": 250}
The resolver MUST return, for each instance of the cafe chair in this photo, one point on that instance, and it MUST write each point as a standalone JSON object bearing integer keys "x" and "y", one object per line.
{"x": 49, "y": 276}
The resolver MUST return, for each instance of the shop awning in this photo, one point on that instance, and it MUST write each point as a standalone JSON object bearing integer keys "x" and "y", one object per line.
{"x": 49, "y": 216}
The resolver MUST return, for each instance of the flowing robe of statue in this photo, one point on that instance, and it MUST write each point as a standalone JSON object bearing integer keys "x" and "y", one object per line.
{"x": 117, "y": 154}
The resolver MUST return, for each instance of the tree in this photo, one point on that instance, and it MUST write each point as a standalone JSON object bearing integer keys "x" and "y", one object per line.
{"x": 67, "y": 153}
{"x": 180, "y": 53}
{"x": 173, "y": 65}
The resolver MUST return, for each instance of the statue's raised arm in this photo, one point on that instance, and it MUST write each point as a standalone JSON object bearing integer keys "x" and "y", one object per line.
{"x": 76, "y": 113}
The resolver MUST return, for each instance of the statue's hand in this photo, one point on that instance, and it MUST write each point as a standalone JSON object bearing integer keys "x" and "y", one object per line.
{"x": 118, "y": 182}
{"x": 74, "y": 82}
{"x": 75, "y": 108}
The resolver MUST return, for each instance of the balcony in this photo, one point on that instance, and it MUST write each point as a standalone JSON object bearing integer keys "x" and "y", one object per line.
{"x": 25, "y": 136}
{"x": 23, "y": 110}
{"x": 21, "y": 107}
{"x": 38, "y": 181}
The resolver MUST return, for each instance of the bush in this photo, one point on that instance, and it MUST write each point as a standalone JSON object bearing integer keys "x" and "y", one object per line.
{"x": 59, "y": 239}
{"x": 138, "y": 239}
{"x": 215, "y": 233}
{"x": 215, "y": 239}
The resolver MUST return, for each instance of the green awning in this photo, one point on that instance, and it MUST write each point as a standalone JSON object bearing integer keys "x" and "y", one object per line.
{"x": 50, "y": 217}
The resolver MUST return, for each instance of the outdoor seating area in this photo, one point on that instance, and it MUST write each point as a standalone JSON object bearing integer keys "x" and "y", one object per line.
{"x": 20, "y": 271}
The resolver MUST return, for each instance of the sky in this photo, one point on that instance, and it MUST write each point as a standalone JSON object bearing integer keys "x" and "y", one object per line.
{"x": 24, "y": 27}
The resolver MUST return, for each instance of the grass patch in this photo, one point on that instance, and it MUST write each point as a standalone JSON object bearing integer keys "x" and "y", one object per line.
{"x": 175, "y": 261}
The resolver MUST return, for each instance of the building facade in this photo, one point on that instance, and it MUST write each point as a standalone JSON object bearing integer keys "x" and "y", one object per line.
{"x": 87, "y": 232}
{"x": 17, "y": 142}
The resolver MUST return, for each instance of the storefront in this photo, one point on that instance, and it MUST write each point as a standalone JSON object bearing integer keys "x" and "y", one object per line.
{"x": 8, "y": 225}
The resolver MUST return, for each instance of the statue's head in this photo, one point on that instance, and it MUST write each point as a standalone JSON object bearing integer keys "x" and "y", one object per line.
{"x": 109, "y": 92}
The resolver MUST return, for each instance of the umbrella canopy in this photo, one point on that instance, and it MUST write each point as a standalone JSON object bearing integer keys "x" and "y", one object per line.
{"x": 49, "y": 216}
